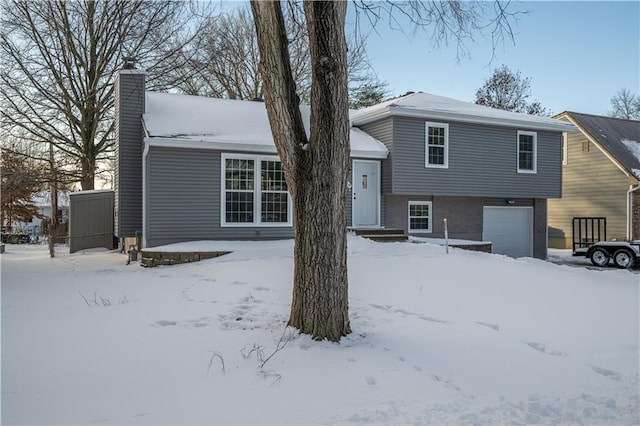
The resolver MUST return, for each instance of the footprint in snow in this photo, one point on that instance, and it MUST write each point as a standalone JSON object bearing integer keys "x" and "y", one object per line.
{"x": 491, "y": 326}
{"x": 164, "y": 323}
{"x": 371, "y": 381}
{"x": 430, "y": 319}
{"x": 542, "y": 348}
{"x": 609, "y": 374}
{"x": 141, "y": 414}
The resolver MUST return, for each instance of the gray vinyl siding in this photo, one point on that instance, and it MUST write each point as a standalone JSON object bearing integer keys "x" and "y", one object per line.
{"x": 90, "y": 220}
{"x": 183, "y": 199}
{"x": 482, "y": 162}
{"x": 382, "y": 130}
{"x": 129, "y": 107}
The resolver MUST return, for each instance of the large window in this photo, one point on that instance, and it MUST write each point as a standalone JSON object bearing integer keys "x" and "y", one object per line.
{"x": 254, "y": 192}
{"x": 420, "y": 216}
{"x": 273, "y": 193}
{"x": 437, "y": 145}
{"x": 527, "y": 142}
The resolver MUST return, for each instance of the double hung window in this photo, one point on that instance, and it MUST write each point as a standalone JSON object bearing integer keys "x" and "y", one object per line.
{"x": 527, "y": 147}
{"x": 254, "y": 192}
{"x": 420, "y": 216}
{"x": 437, "y": 145}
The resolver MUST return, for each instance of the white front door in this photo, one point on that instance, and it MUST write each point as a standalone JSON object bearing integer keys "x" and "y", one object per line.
{"x": 366, "y": 194}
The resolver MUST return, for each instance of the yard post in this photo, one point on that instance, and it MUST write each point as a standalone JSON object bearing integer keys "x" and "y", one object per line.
{"x": 446, "y": 236}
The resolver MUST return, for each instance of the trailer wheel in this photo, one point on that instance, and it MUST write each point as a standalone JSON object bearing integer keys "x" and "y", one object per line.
{"x": 599, "y": 257}
{"x": 624, "y": 258}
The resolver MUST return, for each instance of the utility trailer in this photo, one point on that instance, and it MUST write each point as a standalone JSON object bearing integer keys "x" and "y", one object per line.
{"x": 625, "y": 254}
{"x": 589, "y": 239}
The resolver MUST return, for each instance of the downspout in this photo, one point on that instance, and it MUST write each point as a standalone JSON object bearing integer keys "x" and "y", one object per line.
{"x": 145, "y": 153}
{"x": 629, "y": 210}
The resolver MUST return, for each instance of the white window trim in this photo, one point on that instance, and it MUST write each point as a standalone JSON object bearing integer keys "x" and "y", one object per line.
{"x": 446, "y": 145}
{"x": 257, "y": 159}
{"x": 535, "y": 152}
{"x": 565, "y": 148}
{"x": 420, "y": 203}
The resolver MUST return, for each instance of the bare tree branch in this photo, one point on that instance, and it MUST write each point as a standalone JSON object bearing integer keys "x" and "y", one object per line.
{"x": 442, "y": 22}
{"x": 60, "y": 58}
{"x": 625, "y": 104}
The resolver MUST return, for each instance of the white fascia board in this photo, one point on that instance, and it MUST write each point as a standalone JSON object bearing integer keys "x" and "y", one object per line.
{"x": 89, "y": 191}
{"x": 375, "y": 155}
{"x": 369, "y": 117}
{"x": 244, "y": 147}
{"x": 460, "y": 117}
{"x": 216, "y": 146}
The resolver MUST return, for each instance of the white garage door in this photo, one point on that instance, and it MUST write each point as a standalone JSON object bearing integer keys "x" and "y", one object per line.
{"x": 510, "y": 229}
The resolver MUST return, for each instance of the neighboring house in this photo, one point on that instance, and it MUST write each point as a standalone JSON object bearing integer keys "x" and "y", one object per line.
{"x": 42, "y": 200}
{"x": 601, "y": 172}
{"x": 194, "y": 168}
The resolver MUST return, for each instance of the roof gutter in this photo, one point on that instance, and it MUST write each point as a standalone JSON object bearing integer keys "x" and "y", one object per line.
{"x": 218, "y": 146}
{"x": 630, "y": 192}
{"x": 238, "y": 147}
{"x": 145, "y": 182}
{"x": 362, "y": 119}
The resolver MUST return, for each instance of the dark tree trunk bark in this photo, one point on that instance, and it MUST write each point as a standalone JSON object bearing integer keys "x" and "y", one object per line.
{"x": 316, "y": 168}
{"x": 87, "y": 181}
{"x": 53, "y": 192}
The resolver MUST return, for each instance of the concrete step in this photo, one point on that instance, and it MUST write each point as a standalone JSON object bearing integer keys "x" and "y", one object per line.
{"x": 383, "y": 235}
{"x": 387, "y": 238}
{"x": 377, "y": 231}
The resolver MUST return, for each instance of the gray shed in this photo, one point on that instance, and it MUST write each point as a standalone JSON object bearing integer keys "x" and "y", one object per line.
{"x": 91, "y": 220}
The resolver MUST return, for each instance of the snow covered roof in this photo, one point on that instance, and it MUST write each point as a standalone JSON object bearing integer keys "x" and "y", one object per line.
{"x": 620, "y": 138}
{"x": 43, "y": 198}
{"x": 428, "y": 106}
{"x": 226, "y": 124}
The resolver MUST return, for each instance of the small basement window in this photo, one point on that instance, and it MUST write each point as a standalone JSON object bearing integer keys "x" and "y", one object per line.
{"x": 420, "y": 216}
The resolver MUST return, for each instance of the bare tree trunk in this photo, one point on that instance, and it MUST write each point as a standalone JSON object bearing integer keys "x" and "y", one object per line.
{"x": 87, "y": 181}
{"x": 53, "y": 192}
{"x": 316, "y": 169}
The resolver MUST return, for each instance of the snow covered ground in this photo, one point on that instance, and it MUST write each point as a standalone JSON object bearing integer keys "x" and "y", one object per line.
{"x": 463, "y": 338}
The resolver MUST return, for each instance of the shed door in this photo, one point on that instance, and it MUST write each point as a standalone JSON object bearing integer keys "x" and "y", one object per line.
{"x": 510, "y": 229}
{"x": 366, "y": 193}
